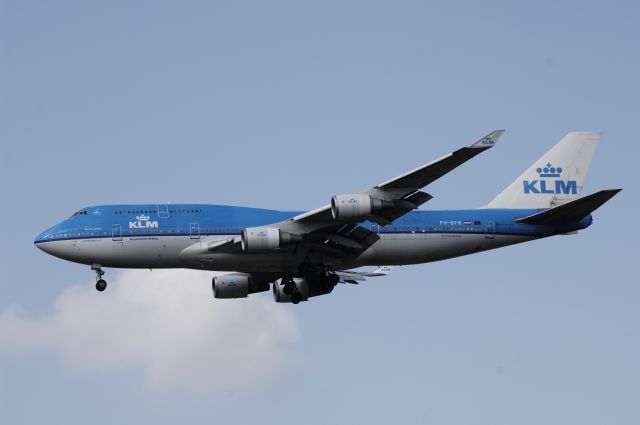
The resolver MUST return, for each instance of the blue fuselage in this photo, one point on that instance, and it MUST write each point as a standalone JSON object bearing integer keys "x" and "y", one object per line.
{"x": 157, "y": 236}
{"x": 109, "y": 221}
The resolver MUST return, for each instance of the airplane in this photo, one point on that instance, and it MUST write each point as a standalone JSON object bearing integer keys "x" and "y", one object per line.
{"x": 299, "y": 255}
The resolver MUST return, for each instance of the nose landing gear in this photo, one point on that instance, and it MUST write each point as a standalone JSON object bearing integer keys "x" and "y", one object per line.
{"x": 101, "y": 284}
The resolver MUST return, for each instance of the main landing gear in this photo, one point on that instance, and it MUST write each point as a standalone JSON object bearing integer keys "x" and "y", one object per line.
{"x": 101, "y": 284}
{"x": 290, "y": 288}
{"x": 296, "y": 297}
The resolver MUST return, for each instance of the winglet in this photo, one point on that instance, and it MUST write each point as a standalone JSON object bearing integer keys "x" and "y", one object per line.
{"x": 489, "y": 140}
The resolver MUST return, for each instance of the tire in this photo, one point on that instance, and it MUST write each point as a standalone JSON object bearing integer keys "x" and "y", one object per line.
{"x": 296, "y": 297}
{"x": 289, "y": 288}
{"x": 101, "y": 285}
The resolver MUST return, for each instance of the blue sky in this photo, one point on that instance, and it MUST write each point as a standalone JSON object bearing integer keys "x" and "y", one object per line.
{"x": 282, "y": 105}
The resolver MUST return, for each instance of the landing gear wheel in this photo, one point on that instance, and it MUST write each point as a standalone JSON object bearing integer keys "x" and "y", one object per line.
{"x": 101, "y": 285}
{"x": 289, "y": 288}
{"x": 296, "y": 297}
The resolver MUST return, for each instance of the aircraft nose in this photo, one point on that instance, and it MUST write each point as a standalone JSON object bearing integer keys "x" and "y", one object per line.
{"x": 39, "y": 239}
{"x": 45, "y": 241}
{"x": 59, "y": 241}
{"x": 41, "y": 245}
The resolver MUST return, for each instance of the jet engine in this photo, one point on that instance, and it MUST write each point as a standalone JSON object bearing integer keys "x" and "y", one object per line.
{"x": 237, "y": 285}
{"x": 261, "y": 239}
{"x": 357, "y": 205}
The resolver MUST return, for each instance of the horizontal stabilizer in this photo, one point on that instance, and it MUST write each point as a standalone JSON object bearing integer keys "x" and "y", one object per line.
{"x": 350, "y": 276}
{"x": 572, "y": 211}
{"x": 383, "y": 270}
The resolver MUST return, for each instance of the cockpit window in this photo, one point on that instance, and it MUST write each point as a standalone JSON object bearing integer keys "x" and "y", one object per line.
{"x": 81, "y": 212}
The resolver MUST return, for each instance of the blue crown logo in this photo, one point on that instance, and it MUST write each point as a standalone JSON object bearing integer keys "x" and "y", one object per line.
{"x": 549, "y": 171}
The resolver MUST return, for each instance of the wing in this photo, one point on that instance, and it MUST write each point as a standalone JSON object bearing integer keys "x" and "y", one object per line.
{"x": 404, "y": 191}
{"x": 341, "y": 236}
{"x": 322, "y": 231}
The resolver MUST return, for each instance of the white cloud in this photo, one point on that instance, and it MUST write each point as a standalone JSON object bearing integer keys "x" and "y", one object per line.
{"x": 166, "y": 326}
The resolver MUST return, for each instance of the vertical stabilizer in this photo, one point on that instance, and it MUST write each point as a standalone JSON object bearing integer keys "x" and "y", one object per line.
{"x": 555, "y": 179}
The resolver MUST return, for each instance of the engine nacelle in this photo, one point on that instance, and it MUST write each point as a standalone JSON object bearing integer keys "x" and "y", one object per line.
{"x": 356, "y": 205}
{"x": 237, "y": 285}
{"x": 234, "y": 285}
{"x": 261, "y": 239}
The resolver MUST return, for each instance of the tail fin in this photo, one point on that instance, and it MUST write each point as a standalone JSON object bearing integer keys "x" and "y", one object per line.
{"x": 555, "y": 179}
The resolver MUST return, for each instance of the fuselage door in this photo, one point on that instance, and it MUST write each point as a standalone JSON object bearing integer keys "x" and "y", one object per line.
{"x": 194, "y": 230}
{"x": 116, "y": 232}
{"x": 163, "y": 210}
{"x": 490, "y": 230}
